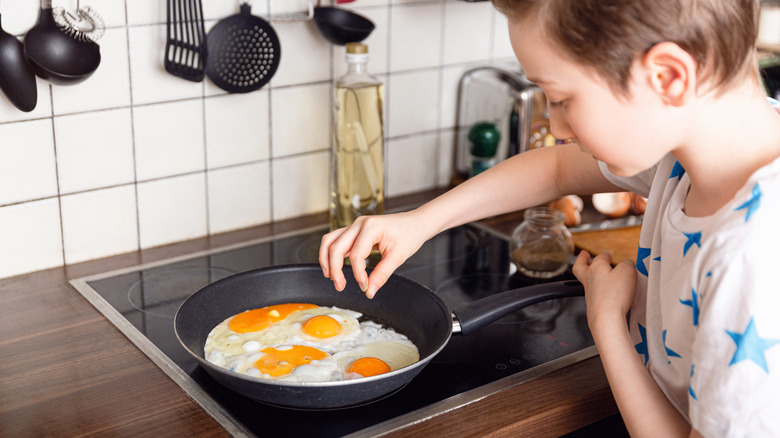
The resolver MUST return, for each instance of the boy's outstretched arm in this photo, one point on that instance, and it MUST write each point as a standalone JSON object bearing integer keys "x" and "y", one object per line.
{"x": 525, "y": 180}
{"x": 609, "y": 293}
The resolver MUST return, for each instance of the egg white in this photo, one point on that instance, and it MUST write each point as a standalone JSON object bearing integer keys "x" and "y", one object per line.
{"x": 239, "y": 351}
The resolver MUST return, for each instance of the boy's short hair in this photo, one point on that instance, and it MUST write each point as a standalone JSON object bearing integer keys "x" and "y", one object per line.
{"x": 608, "y": 35}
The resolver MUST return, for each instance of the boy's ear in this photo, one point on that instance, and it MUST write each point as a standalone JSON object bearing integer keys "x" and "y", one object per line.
{"x": 671, "y": 72}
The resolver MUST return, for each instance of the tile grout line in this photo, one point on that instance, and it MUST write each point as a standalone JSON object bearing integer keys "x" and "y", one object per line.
{"x": 271, "y": 89}
{"x": 132, "y": 137}
{"x": 440, "y": 94}
{"x": 205, "y": 159}
{"x": 57, "y": 177}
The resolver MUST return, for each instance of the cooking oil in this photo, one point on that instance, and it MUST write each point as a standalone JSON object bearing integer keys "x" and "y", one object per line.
{"x": 357, "y": 170}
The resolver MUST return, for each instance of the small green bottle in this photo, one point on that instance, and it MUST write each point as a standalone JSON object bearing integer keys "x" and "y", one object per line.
{"x": 484, "y": 138}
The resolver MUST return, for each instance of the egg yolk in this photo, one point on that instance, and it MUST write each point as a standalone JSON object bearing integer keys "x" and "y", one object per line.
{"x": 369, "y": 366}
{"x": 322, "y": 326}
{"x": 259, "y": 319}
{"x": 283, "y": 361}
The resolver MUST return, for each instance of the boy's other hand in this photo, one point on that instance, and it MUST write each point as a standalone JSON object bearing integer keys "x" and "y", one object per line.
{"x": 609, "y": 291}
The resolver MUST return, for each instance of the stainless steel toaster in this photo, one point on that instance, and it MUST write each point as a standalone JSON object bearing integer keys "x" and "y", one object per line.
{"x": 501, "y": 95}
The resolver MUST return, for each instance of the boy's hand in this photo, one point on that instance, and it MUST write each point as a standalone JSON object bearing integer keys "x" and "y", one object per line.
{"x": 396, "y": 236}
{"x": 609, "y": 291}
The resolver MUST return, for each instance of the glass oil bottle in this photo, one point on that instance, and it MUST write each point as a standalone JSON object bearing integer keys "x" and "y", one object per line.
{"x": 357, "y": 168}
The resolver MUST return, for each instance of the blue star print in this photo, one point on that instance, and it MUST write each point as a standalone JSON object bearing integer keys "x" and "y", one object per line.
{"x": 693, "y": 239}
{"x": 690, "y": 387}
{"x": 641, "y": 347}
{"x": 641, "y": 255}
{"x": 677, "y": 171}
{"x": 694, "y": 303}
{"x": 669, "y": 351}
{"x": 752, "y": 204}
{"x": 751, "y": 346}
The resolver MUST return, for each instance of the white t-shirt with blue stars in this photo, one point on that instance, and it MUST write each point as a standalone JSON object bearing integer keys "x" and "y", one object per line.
{"x": 706, "y": 315}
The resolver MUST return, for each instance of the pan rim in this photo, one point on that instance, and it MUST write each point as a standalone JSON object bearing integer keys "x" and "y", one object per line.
{"x": 422, "y": 362}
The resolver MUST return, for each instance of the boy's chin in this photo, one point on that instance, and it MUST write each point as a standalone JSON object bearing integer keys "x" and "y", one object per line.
{"x": 622, "y": 171}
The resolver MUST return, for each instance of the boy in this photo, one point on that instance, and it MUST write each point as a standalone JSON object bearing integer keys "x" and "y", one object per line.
{"x": 661, "y": 97}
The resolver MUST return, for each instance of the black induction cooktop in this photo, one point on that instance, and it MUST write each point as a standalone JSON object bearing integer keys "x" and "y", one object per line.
{"x": 461, "y": 265}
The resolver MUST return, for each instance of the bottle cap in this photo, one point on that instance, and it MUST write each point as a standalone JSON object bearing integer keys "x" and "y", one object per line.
{"x": 357, "y": 52}
{"x": 484, "y": 137}
{"x": 357, "y": 48}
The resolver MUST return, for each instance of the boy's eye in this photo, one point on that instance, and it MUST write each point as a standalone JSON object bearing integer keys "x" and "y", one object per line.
{"x": 557, "y": 104}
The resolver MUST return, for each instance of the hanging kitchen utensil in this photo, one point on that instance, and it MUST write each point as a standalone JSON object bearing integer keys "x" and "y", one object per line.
{"x": 244, "y": 52}
{"x": 340, "y": 26}
{"x": 17, "y": 81}
{"x": 85, "y": 25}
{"x": 56, "y": 56}
{"x": 185, "y": 49}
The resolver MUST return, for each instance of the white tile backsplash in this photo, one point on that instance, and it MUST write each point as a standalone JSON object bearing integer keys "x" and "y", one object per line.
{"x": 413, "y": 102}
{"x": 301, "y": 119}
{"x": 19, "y": 16}
{"x": 300, "y": 185}
{"x": 502, "y": 47}
{"x": 237, "y": 128}
{"x": 172, "y": 209}
{"x": 99, "y": 223}
{"x": 467, "y": 32}
{"x": 27, "y": 162}
{"x": 168, "y": 139}
{"x": 135, "y": 157}
{"x": 305, "y": 57}
{"x": 239, "y": 197}
{"x": 83, "y": 140}
{"x": 412, "y": 164}
{"x": 30, "y": 237}
{"x": 416, "y": 36}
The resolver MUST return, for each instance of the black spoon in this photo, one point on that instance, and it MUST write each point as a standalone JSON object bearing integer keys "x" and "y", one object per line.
{"x": 17, "y": 80}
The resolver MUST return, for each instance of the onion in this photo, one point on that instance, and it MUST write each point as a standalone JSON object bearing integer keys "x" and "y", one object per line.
{"x": 612, "y": 205}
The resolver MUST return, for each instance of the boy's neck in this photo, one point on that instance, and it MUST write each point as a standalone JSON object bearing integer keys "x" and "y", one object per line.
{"x": 735, "y": 134}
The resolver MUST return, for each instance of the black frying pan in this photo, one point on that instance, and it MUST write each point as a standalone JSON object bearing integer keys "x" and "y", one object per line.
{"x": 407, "y": 306}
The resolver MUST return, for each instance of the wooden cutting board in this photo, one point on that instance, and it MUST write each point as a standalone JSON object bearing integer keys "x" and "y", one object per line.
{"x": 621, "y": 243}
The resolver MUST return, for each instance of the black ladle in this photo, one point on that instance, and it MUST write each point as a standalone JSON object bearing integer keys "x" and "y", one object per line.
{"x": 56, "y": 56}
{"x": 17, "y": 81}
{"x": 340, "y": 26}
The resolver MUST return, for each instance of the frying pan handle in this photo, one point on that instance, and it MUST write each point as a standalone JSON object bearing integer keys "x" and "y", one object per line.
{"x": 482, "y": 312}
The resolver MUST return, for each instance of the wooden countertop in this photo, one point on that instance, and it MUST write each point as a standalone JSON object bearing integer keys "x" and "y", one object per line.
{"x": 66, "y": 370}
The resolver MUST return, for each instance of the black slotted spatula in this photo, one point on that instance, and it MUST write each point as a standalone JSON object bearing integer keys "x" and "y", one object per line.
{"x": 185, "y": 48}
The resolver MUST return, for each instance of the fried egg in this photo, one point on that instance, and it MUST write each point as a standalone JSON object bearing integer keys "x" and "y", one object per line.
{"x": 307, "y": 343}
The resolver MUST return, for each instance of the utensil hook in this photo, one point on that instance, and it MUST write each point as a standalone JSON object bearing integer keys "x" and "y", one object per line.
{"x": 296, "y": 16}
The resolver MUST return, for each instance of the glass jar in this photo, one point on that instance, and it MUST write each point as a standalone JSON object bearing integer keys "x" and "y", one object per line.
{"x": 542, "y": 246}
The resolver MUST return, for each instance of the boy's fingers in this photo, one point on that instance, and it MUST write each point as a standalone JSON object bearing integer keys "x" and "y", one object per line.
{"x": 337, "y": 251}
{"x": 324, "y": 252}
{"x": 581, "y": 264}
{"x": 381, "y": 274}
{"x": 605, "y": 257}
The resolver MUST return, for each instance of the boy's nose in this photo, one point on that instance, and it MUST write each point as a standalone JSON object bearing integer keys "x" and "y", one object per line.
{"x": 559, "y": 128}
